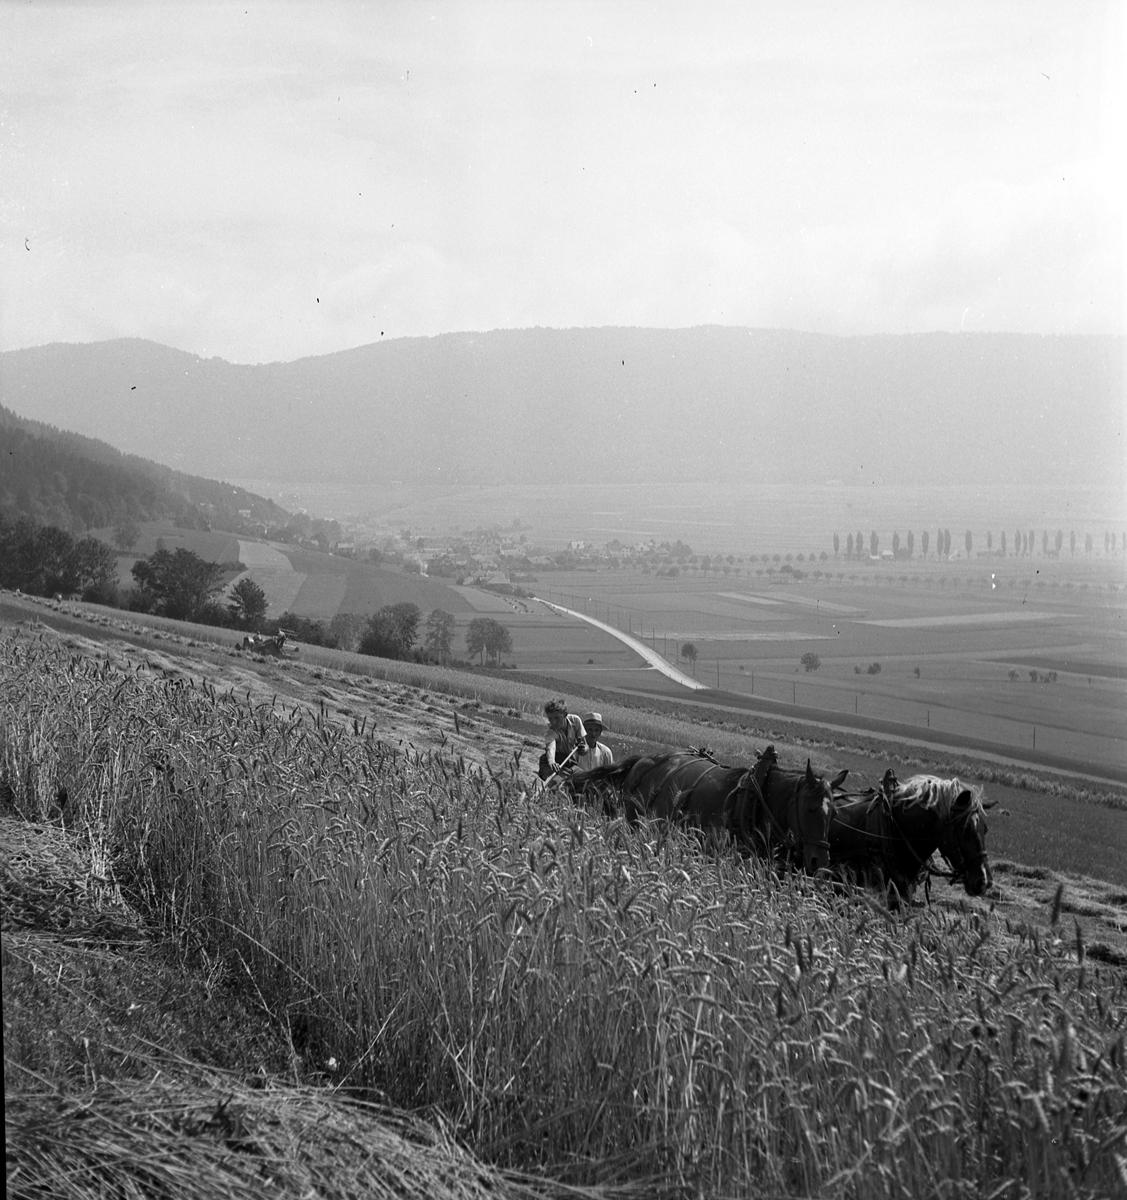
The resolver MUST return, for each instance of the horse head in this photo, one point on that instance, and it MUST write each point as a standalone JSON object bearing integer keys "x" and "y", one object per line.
{"x": 963, "y": 843}
{"x": 812, "y": 814}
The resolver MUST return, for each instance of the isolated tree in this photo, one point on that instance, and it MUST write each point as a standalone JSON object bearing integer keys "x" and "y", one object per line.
{"x": 405, "y": 618}
{"x": 689, "y": 654}
{"x": 477, "y": 637}
{"x": 439, "y": 637}
{"x": 247, "y": 605}
{"x": 911, "y": 543}
{"x": 392, "y": 631}
{"x": 499, "y": 641}
{"x": 837, "y": 545}
{"x": 91, "y": 569}
{"x": 346, "y": 630}
{"x": 924, "y": 537}
{"x": 1087, "y": 543}
{"x": 874, "y": 543}
{"x": 1072, "y": 542}
{"x": 968, "y": 541}
{"x": 810, "y": 661}
{"x": 176, "y": 583}
{"x": 895, "y": 544}
{"x": 485, "y": 636}
{"x": 989, "y": 542}
{"x": 1059, "y": 540}
{"x": 379, "y": 638}
{"x": 858, "y": 543}
{"x": 1002, "y": 543}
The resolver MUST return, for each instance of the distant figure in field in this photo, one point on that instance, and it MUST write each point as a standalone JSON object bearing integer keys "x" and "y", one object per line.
{"x": 598, "y": 753}
{"x": 566, "y": 741}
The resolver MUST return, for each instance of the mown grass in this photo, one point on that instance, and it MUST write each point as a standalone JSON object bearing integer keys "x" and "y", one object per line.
{"x": 578, "y": 998}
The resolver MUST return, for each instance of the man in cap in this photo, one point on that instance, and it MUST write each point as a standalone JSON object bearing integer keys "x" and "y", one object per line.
{"x": 598, "y": 753}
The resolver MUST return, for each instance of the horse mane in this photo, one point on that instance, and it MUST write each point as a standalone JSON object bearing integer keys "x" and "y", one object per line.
{"x": 936, "y": 792}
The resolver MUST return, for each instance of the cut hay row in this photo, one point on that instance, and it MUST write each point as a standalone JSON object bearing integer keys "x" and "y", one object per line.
{"x": 577, "y": 998}
{"x": 205, "y": 1134}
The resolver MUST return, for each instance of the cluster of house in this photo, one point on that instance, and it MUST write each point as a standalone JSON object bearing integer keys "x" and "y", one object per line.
{"x": 495, "y": 556}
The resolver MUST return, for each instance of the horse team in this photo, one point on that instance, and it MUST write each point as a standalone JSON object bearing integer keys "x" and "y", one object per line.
{"x": 887, "y": 837}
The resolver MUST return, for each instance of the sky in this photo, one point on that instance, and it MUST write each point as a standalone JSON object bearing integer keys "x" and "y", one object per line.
{"x": 268, "y": 181}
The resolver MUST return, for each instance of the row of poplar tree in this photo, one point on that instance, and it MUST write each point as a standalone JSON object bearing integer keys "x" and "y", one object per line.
{"x": 1022, "y": 544}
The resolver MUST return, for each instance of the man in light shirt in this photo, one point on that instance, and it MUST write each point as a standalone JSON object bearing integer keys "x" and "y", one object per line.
{"x": 598, "y": 753}
{"x": 566, "y": 746}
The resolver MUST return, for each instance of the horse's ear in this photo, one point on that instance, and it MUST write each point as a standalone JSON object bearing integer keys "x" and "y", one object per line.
{"x": 809, "y": 772}
{"x": 839, "y": 778}
{"x": 964, "y": 799}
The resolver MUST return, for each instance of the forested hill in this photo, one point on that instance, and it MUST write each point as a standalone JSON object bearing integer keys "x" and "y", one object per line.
{"x": 77, "y": 483}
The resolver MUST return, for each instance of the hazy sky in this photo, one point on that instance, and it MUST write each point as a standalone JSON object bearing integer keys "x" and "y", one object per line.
{"x": 265, "y": 181}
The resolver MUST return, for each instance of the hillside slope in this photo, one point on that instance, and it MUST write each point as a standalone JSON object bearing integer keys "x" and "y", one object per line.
{"x": 79, "y": 483}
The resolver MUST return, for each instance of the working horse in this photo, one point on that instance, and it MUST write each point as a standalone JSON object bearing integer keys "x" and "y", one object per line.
{"x": 766, "y": 809}
{"x": 887, "y": 837}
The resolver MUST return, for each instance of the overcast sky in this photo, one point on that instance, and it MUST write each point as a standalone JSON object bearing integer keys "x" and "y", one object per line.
{"x": 265, "y": 181}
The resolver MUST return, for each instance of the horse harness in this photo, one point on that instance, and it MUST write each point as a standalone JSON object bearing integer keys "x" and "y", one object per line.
{"x": 923, "y": 864}
{"x": 754, "y": 781}
{"x": 750, "y": 782}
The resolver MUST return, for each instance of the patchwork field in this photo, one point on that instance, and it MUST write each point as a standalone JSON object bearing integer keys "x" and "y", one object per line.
{"x": 1030, "y": 654}
{"x": 951, "y": 647}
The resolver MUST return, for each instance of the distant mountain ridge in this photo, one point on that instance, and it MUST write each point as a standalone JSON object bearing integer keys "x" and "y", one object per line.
{"x": 628, "y": 405}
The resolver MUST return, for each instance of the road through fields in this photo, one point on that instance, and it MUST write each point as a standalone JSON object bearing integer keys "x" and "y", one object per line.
{"x": 651, "y": 656}
{"x": 1077, "y": 769}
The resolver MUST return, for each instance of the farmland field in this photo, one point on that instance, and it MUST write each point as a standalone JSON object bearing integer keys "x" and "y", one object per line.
{"x": 1026, "y": 653}
{"x": 1025, "y": 656}
{"x": 358, "y": 914}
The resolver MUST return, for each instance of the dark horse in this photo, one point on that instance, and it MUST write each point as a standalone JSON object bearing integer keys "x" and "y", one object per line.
{"x": 765, "y": 808}
{"x": 886, "y": 837}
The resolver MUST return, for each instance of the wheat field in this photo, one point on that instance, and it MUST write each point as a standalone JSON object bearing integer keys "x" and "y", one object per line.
{"x": 578, "y": 1002}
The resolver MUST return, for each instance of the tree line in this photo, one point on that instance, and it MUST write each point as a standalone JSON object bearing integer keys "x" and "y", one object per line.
{"x": 1023, "y": 544}
{"x": 45, "y": 560}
